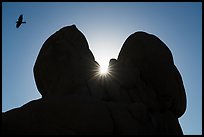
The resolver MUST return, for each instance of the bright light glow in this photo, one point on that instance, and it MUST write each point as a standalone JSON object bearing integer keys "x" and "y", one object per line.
{"x": 103, "y": 70}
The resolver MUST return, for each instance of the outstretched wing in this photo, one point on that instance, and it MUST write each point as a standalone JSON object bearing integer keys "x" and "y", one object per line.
{"x": 20, "y": 19}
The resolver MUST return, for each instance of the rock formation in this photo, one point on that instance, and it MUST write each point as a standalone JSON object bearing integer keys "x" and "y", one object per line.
{"x": 142, "y": 94}
{"x": 63, "y": 63}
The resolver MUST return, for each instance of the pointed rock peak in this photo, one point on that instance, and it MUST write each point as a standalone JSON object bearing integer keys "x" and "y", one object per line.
{"x": 63, "y": 59}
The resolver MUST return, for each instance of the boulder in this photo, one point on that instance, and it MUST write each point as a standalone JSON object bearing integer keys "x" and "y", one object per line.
{"x": 63, "y": 63}
{"x": 142, "y": 94}
{"x": 148, "y": 54}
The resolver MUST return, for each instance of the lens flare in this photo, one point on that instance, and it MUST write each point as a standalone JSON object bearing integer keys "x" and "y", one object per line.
{"x": 103, "y": 70}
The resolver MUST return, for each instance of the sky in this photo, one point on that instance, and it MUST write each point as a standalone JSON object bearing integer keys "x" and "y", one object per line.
{"x": 106, "y": 26}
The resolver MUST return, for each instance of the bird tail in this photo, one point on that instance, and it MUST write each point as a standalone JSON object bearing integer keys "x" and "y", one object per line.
{"x": 24, "y": 22}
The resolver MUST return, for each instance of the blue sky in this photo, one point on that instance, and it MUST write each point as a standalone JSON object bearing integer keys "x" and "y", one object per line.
{"x": 106, "y": 26}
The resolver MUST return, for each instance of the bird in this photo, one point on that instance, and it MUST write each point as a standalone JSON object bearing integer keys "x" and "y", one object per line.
{"x": 20, "y": 21}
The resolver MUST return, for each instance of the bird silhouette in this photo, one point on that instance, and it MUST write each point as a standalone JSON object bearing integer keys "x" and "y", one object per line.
{"x": 20, "y": 21}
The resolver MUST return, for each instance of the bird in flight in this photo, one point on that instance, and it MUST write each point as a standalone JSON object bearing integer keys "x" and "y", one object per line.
{"x": 20, "y": 21}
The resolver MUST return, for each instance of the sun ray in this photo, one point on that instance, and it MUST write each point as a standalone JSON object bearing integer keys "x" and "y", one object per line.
{"x": 103, "y": 70}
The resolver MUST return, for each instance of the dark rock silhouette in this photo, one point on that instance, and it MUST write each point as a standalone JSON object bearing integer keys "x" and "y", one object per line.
{"x": 157, "y": 70}
{"x": 20, "y": 21}
{"x": 64, "y": 63}
{"x": 142, "y": 94}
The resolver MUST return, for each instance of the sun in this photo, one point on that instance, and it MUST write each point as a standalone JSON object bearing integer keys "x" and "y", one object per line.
{"x": 103, "y": 69}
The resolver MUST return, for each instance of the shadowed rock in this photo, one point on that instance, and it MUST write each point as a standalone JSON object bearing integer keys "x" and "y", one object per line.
{"x": 64, "y": 62}
{"x": 143, "y": 94}
{"x": 153, "y": 59}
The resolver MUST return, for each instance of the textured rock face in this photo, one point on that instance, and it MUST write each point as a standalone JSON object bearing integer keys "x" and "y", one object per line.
{"x": 142, "y": 94}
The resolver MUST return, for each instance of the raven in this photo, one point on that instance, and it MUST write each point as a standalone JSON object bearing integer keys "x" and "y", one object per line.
{"x": 20, "y": 21}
